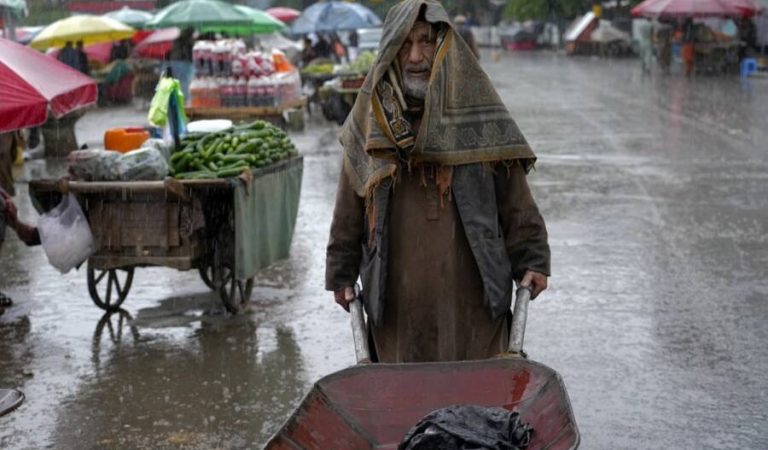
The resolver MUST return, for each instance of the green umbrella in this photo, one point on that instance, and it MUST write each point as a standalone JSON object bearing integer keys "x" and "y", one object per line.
{"x": 135, "y": 18}
{"x": 262, "y": 23}
{"x": 211, "y": 15}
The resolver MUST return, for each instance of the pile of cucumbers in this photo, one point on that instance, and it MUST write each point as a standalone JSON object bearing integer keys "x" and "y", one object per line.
{"x": 230, "y": 152}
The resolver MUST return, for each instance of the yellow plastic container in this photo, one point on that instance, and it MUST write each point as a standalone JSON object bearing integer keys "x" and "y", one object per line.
{"x": 124, "y": 139}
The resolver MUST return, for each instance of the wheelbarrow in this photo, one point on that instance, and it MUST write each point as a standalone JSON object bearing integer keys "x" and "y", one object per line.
{"x": 372, "y": 406}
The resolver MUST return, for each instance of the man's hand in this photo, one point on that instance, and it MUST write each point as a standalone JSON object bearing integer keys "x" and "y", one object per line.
{"x": 344, "y": 297}
{"x": 537, "y": 281}
{"x": 11, "y": 213}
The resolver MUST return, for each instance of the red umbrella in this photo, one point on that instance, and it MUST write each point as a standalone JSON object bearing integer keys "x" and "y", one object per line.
{"x": 158, "y": 44}
{"x": 670, "y": 9}
{"x": 287, "y": 15}
{"x": 31, "y": 82}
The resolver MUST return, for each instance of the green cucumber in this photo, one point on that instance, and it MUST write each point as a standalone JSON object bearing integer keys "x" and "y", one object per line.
{"x": 230, "y": 172}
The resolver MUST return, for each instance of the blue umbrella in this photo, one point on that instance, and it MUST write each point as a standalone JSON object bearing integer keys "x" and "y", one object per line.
{"x": 334, "y": 16}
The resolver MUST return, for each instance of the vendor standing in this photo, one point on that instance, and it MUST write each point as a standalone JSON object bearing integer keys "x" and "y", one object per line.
{"x": 180, "y": 59}
{"x": 10, "y": 143}
{"x": 433, "y": 210}
{"x": 688, "y": 49}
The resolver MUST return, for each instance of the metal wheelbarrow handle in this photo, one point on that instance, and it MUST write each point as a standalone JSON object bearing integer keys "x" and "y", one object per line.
{"x": 362, "y": 352}
{"x": 519, "y": 317}
{"x": 516, "y": 334}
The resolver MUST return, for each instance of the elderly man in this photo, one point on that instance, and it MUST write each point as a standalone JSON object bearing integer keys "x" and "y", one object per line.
{"x": 433, "y": 210}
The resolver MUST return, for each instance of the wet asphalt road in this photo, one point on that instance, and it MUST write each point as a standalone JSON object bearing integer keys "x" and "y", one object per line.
{"x": 655, "y": 194}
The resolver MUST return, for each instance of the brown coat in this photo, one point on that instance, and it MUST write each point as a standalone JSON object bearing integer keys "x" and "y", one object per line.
{"x": 435, "y": 307}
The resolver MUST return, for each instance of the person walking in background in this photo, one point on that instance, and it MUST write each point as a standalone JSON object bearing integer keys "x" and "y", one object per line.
{"x": 339, "y": 50}
{"x": 688, "y": 50}
{"x": 465, "y": 31}
{"x": 354, "y": 43}
{"x": 11, "y": 398}
{"x": 82, "y": 59}
{"x": 120, "y": 50}
{"x": 27, "y": 233}
{"x": 645, "y": 32}
{"x": 308, "y": 53}
{"x": 180, "y": 59}
{"x": 323, "y": 47}
{"x": 664, "y": 48}
{"x": 10, "y": 144}
{"x": 69, "y": 56}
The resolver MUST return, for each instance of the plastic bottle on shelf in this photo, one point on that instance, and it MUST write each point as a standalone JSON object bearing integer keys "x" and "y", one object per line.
{"x": 195, "y": 94}
{"x": 197, "y": 58}
{"x": 214, "y": 94}
{"x": 252, "y": 91}
{"x": 270, "y": 91}
{"x": 223, "y": 94}
{"x": 226, "y": 60}
{"x": 237, "y": 67}
{"x": 241, "y": 92}
{"x": 205, "y": 90}
{"x": 231, "y": 92}
{"x": 262, "y": 89}
{"x": 277, "y": 82}
{"x": 217, "y": 58}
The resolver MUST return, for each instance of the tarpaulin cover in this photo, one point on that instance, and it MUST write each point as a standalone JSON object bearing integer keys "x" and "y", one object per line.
{"x": 265, "y": 216}
{"x": 30, "y": 82}
{"x": 660, "y": 9}
{"x": 468, "y": 427}
{"x": 284, "y": 14}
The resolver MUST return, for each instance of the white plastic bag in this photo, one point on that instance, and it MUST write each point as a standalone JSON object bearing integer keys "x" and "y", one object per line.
{"x": 144, "y": 164}
{"x": 160, "y": 145}
{"x": 93, "y": 165}
{"x": 66, "y": 235}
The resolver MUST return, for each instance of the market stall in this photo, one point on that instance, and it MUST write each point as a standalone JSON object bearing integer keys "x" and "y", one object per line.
{"x": 313, "y": 77}
{"x": 237, "y": 83}
{"x": 225, "y": 206}
{"x": 338, "y": 95}
{"x": 701, "y": 48}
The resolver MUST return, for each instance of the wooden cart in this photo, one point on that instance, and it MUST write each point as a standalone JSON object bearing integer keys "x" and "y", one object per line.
{"x": 183, "y": 225}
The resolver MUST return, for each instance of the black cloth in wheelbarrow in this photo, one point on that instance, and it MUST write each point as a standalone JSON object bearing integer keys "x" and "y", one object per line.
{"x": 468, "y": 427}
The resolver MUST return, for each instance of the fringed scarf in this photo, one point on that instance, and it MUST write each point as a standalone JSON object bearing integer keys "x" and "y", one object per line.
{"x": 464, "y": 120}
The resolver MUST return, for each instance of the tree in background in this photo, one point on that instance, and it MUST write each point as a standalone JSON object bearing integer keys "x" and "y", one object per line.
{"x": 556, "y": 10}
{"x": 478, "y": 9}
{"x": 553, "y": 10}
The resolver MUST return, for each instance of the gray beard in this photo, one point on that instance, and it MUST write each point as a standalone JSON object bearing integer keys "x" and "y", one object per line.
{"x": 415, "y": 88}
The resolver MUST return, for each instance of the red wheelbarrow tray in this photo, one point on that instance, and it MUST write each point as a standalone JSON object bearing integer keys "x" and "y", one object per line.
{"x": 372, "y": 406}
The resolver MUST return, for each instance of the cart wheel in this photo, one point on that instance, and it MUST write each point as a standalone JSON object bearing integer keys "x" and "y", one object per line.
{"x": 234, "y": 293}
{"x": 206, "y": 273}
{"x": 113, "y": 291}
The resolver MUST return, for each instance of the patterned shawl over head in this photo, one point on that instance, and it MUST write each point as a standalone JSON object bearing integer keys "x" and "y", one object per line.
{"x": 464, "y": 119}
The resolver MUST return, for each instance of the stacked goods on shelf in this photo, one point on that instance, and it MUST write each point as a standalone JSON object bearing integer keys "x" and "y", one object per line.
{"x": 230, "y": 76}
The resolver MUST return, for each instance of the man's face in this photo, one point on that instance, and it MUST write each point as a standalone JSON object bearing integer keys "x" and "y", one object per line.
{"x": 416, "y": 57}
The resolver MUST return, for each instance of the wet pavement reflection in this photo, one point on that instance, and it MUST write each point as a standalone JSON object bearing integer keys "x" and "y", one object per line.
{"x": 654, "y": 192}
